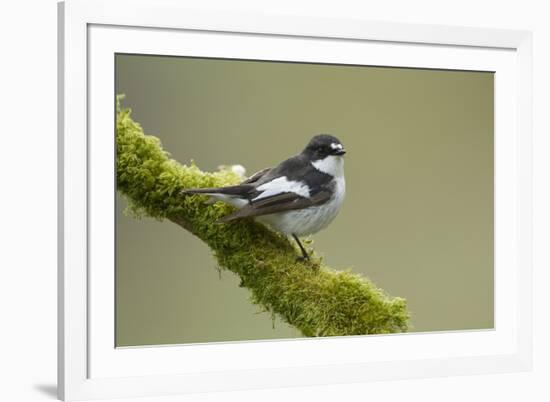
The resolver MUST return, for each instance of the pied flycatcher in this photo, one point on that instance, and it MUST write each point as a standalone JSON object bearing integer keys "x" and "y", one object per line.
{"x": 298, "y": 197}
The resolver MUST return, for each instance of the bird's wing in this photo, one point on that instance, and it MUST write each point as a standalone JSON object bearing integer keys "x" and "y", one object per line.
{"x": 256, "y": 176}
{"x": 278, "y": 203}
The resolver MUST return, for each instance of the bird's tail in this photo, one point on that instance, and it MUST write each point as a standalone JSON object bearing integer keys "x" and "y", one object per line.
{"x": 238, "y": 190}
{"x": 233, "y": 195}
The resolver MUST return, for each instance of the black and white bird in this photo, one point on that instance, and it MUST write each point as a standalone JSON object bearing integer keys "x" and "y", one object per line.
{"x": 298, "y": 197}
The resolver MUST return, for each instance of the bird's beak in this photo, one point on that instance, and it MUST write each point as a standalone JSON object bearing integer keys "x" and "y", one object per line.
{"x": 339, "y": 152}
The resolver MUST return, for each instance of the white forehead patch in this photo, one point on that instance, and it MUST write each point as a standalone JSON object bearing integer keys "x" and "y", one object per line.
{"x": 336, "y": 146}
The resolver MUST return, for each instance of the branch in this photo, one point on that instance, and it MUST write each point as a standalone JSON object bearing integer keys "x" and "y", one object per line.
{"x": 319, "y": 302}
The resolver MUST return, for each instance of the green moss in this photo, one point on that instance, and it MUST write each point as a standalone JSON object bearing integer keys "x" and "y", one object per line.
{"x": 312, "y": 297}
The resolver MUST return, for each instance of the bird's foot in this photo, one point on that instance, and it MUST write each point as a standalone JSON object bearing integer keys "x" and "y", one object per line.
{"x": 303, "y": 258}
{"x": 306, "y": 259}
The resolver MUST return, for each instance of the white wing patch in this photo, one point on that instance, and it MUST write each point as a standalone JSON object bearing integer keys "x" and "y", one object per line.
{"x": 282, "y": 185}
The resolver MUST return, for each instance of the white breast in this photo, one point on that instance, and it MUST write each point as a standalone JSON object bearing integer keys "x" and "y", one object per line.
{"x": 310, "y": 220}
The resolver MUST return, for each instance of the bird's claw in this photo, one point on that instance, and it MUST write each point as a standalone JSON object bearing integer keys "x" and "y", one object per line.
{"x": 306, "y": 259}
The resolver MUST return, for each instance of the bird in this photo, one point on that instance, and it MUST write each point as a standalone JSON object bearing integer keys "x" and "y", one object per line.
{"x": 298, "y": 197}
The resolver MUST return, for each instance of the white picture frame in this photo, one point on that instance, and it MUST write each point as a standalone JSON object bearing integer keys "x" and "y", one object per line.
{"x": 90, "y": 32}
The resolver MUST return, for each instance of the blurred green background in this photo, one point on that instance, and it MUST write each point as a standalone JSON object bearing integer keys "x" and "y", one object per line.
{"x": 418, "y": 216}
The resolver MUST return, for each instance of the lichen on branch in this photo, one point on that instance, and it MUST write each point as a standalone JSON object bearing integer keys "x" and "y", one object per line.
{"x": 314, "y": 298}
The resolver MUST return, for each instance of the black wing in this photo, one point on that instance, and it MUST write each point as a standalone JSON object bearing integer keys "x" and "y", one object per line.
{"x": 257, "y": 176}
{"x": 278, "y": 203}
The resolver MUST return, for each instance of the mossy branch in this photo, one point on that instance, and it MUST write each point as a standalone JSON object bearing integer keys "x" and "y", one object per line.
{"x": 310, "y": 296}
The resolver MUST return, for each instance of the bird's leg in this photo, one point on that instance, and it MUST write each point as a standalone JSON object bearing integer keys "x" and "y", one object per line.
{"x": 304, "y": 253}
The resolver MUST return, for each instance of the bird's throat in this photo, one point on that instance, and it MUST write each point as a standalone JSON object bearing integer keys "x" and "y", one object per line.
{"x": 332, "y": 165}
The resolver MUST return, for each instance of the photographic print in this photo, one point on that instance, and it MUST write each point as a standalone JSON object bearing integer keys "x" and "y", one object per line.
{"x": 263, "y": 200}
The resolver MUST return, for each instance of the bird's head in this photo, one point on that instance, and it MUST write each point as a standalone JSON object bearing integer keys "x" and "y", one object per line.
{"x": 322, "y": 146}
